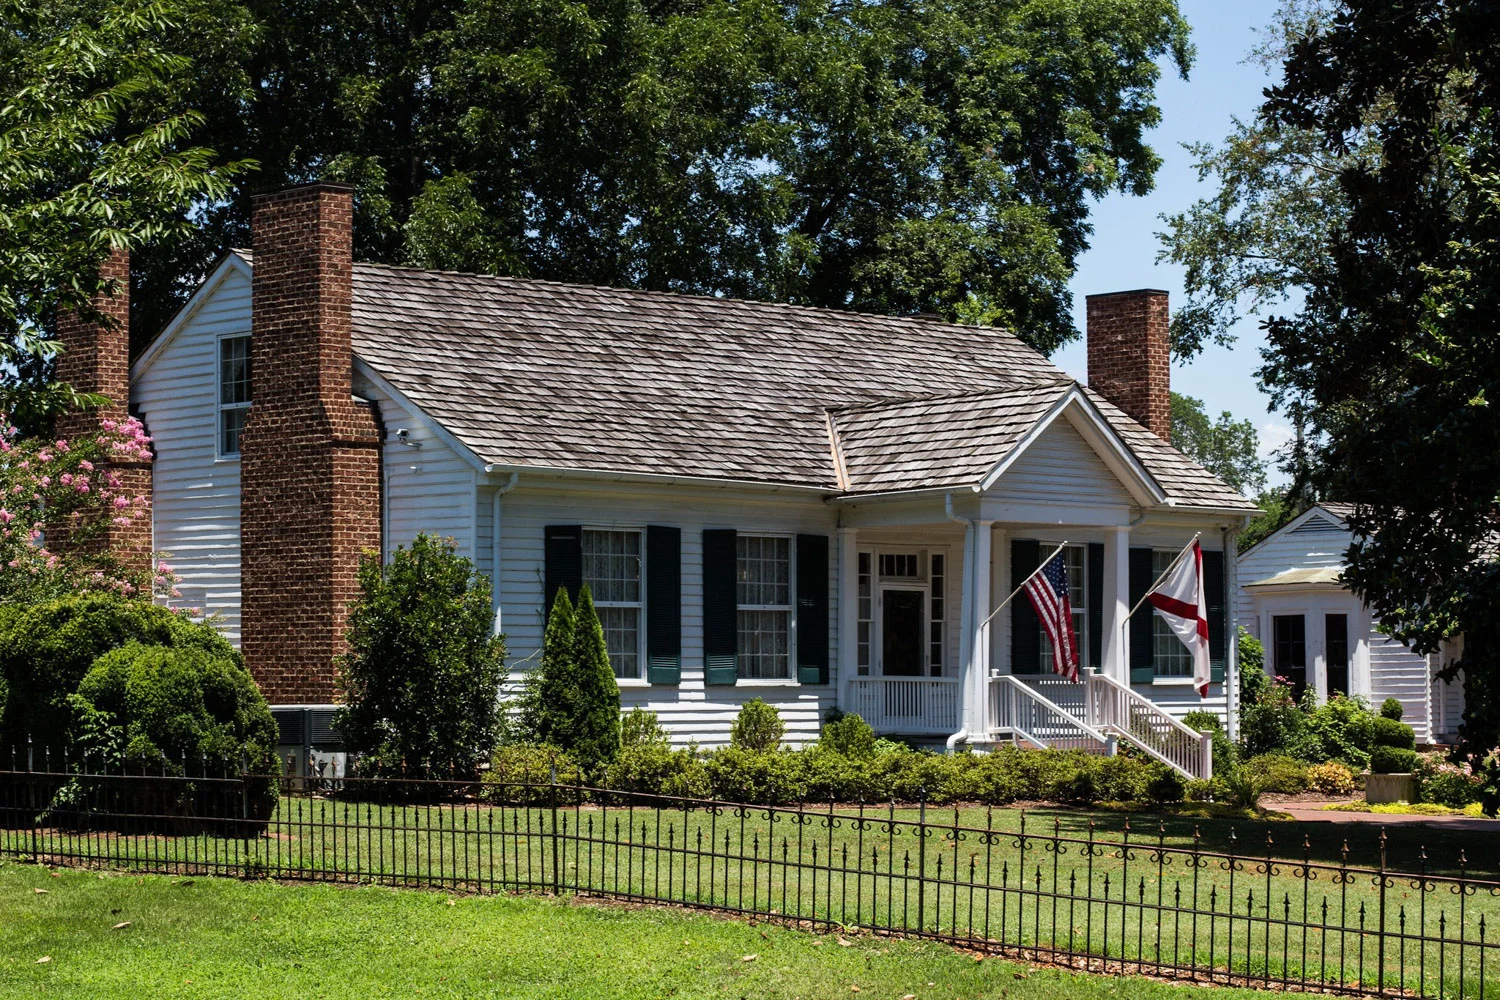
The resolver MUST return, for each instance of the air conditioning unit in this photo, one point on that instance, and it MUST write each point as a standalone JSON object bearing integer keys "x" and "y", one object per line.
{"x": 307, "y": 743}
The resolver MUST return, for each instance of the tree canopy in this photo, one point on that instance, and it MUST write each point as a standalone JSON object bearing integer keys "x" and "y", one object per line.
{"x": 1391, "y": 357}
{"x": 96, "y": 153}
{"x": 917, "y": 155}
{"x": 1228, "y": 448}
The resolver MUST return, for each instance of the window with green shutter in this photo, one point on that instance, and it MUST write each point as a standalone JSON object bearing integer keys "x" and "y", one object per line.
{"x": 1142, "y": 651}
{"x": 812, "y": 609}
{"x": 663, "y": 604}
{"x": 1025, "y": 628}
{"x": 1214, "y": 590}
{"x": 562, "y": 562}
{"x": 720, "y": 606}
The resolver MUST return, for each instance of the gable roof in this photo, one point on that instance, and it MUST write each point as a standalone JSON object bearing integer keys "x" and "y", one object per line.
{"x": 539, "y": 374}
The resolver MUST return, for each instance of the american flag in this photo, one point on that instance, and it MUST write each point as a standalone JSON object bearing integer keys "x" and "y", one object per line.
{"x": 1048, "y": 591}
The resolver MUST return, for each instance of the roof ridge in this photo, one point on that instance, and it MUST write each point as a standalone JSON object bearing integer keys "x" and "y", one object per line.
{"x": 696, "y": 297}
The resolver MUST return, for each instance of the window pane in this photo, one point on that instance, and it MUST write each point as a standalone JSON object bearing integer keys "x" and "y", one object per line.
{"x": 764, "y": 571}
{"x": 764, "y": 648}
{"x": 1172, "y": 658}
{"x": 612, "y": 565}
{"x": 231, "y": 426}
{"x": 622, "y": 637}
{"x": 1077, "y": 589}
{"x": 234, "y": 370}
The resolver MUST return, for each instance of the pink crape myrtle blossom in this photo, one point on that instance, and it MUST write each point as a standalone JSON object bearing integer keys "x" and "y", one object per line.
{"x": 68, "y": 484}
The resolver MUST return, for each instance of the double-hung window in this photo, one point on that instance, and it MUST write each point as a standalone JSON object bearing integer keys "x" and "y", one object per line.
{"x": 1170, "y": 655}
{"x": 764, "y": 597}
{"x": 612, "y": 570}
{"x": 1074, "y": 558}
{"x": 234, "y": 393}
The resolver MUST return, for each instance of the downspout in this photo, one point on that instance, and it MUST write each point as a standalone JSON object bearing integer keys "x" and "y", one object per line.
{"x": 1231, "y": 639}
{"x": 500, "y": 491}
{"x": 968, "y": 584}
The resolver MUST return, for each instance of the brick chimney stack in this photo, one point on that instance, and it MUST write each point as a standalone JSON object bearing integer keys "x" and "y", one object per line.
{"x": 96, "y": 359}
{"x": 310, "y": 454}
{"x": 1130, "y": 355}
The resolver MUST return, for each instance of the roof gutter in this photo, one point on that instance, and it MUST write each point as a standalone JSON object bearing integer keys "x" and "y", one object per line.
{"x": 663, "y": 479}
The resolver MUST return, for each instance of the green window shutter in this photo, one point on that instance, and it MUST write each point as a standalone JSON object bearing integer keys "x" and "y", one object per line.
{"x": 663, "y": 604}
{"x": 1095, "y": 597}
{"x": 1025, "y": 628}
{"x": 563, "y": 558}
{"x": 812, "y": 609}
{"x": 1218, "y": 616}
{"x": 1142, "y": 645}
{"x": 721, "y": 636}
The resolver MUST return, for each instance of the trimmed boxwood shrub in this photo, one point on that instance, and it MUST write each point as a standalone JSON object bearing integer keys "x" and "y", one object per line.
{"x": 739, "y": 775}
{"x": 1391, "y": 709}
{"x": 1278, "y": 774}
{"x": 654, "y": 768}
{"x": 849, "y": 735}
{"x": 516, "y": 765}
{"x": 1394, "y": 760}
{"x": 757, "y": 727}
{"x": 47, "y": 649}
{"x": 1389, "y": 732}
{"x": 183, "y": 712}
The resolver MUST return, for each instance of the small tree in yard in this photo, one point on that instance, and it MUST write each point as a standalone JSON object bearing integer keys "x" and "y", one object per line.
{"x": 423, "y": 672}
{"x": 572, "y": 701}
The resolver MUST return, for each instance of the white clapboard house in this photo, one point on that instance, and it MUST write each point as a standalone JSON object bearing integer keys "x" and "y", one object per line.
{"x": 814, "y": 507}
{"x": 1319, "y": 635}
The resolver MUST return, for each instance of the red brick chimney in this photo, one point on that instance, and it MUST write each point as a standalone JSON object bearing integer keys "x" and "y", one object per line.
{"x": 1130, "y": 355}
{"x": 96, "y": 359}
{"x": 309, "y": 456}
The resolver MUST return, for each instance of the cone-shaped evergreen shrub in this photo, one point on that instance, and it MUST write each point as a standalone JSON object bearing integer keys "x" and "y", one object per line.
{"x": 572, "y": 701}
{"x": 598, "y": 740}
{"x": 549, "y": 704}
{"x": 423, "y": 673}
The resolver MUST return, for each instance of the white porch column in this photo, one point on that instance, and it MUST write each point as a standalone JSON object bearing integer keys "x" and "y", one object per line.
{"x": 848, "y": 659}
{"x": 1116, "y": 646}
{"x": 976, "y": 676}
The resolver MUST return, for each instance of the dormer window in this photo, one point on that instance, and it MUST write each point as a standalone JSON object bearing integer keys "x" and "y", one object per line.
{"x": 234, "y": 393}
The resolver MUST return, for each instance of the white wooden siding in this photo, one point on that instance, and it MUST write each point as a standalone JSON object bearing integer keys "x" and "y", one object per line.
{"x": 429, "y": 487}
{"x": 1060, "y": 468}
{"x": 1379, "y": 668}
{"x": 195, "y": 496}
{"x": 692, "y": 711}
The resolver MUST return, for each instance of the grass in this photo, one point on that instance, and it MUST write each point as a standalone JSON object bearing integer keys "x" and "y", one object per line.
{"x": 207, "y": 937}
{"x": 1103, "y": 901}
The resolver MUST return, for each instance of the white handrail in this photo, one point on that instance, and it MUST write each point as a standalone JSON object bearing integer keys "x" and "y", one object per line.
{"x": 1117, "y": 707}
{"x": 1011, "y": 701}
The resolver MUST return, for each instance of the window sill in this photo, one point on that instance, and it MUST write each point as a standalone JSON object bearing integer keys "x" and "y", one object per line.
{"x": 767, "y": 682}
{"x": 1171, "y": 682}
{"x": 636, "y": 682}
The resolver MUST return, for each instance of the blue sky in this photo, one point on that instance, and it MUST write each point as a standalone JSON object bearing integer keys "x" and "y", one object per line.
{"x": 1220, "y": 86}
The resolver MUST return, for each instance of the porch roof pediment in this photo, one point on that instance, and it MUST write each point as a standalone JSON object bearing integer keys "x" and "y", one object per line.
{"x": 970, "y": 440}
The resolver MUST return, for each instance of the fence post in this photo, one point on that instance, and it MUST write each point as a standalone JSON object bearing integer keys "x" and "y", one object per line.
{"x": 1380, "y": 938}
{"x": 31, "y": 797}
{"x": 552, "y": 780}
{"x": 921, "y": 857}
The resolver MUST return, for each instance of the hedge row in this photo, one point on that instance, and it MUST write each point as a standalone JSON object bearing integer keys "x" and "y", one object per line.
{"x": 823, "y": 774}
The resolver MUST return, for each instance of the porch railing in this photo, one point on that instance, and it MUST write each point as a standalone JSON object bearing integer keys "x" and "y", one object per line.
{"x": 1111, "y": 707}
{"x": 1024, "y": 713}
{"x": 917, "y": 706}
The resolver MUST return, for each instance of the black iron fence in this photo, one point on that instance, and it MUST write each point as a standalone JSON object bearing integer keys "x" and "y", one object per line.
{"x": 999, "y": 882}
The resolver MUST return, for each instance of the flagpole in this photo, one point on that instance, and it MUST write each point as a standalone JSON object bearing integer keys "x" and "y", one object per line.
{"x": 1165, "y": 573}
{"x": 1040, "y": 566}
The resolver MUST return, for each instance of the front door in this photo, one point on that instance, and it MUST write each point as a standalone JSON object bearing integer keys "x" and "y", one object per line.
{"x": 1289, "y": 651}
{"x": 901, "y": 633}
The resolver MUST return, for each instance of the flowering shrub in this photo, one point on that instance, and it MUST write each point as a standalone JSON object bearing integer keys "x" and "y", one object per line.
{"x": 1452, "y": 785}
{"x": 69, "y": 486}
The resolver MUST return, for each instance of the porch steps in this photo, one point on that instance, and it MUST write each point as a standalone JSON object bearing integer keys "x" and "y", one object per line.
{"x": 1094, "y": 715}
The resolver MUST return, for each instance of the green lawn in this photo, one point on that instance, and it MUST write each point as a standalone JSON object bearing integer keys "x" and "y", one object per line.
{"x": 1144, "y": 905}
{"x": 209, "y": 937}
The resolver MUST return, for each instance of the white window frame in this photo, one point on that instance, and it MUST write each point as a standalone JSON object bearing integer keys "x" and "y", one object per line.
{"x": 873, "y": 626}
{"x": 1080, "y": 611}
{"x": 864, "y": 595}
{"x": 1162, "y": 636}
{"x": 221, "y": 407}
{"x": 639, "y": 604}
{"x": 790, "y": 608}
